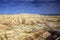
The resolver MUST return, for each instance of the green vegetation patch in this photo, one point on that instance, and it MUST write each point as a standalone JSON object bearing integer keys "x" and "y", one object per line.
{"x": 58, "y": 20}
{"x": 50, "y": 20}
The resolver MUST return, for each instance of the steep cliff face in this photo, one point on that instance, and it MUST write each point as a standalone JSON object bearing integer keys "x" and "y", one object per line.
{"x": 29, "y": 27}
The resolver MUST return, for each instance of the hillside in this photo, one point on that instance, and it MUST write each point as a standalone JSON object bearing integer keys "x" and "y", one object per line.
{"x": 28, "y": 26}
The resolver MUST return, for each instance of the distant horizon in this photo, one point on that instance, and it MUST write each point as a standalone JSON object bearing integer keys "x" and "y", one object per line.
{"x": 26, "y": 13}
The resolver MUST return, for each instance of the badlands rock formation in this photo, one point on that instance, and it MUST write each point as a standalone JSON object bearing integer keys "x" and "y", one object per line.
{"x": 28, "y": 27}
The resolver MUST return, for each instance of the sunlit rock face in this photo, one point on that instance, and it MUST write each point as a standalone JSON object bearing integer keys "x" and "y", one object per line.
{"x": 29, "y": 27}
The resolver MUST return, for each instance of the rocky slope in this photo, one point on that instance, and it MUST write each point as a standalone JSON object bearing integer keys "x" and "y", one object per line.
{"x": 29, "y": 27}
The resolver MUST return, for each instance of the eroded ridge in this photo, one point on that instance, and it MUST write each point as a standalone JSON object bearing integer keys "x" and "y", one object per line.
{"x": 27, "y": 26}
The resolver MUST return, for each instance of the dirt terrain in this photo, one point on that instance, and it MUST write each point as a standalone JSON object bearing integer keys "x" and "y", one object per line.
{"x": 29, "y": 27}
